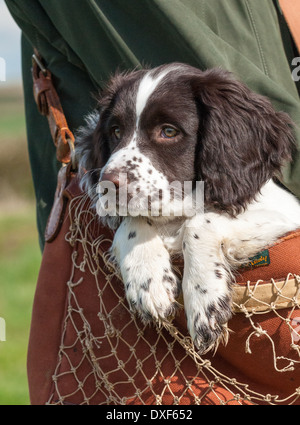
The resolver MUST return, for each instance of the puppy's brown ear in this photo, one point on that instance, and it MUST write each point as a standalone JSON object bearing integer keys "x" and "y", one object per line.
{"x": 243, "y": 141}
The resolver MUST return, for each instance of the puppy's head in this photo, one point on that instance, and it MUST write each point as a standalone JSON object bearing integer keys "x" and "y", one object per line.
{"x": 176, "y": 123}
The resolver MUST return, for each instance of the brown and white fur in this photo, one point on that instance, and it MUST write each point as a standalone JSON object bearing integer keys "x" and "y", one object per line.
{"x": 178, "y": 123}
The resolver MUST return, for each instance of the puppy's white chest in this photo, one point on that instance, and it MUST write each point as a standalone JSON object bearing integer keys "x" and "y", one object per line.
{"x": 172, "y": 235}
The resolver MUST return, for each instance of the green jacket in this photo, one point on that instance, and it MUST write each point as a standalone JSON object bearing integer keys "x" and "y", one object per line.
{"x": 84, "y": 41}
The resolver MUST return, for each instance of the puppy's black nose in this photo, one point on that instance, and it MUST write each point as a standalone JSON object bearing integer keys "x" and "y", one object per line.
{"x": 111, "y": 177}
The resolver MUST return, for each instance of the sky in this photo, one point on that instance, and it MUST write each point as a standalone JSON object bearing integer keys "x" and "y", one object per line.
{"x": 10, "y": 50}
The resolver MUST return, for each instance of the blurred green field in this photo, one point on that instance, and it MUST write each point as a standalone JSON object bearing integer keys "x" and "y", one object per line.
{"x": 19, "y": 249}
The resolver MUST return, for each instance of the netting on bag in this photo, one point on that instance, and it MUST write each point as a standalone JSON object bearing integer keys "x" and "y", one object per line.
{"x": 107, "y": 356}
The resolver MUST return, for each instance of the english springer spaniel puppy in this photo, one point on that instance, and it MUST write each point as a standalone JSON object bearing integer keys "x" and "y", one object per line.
{"x": 176, "y": 123}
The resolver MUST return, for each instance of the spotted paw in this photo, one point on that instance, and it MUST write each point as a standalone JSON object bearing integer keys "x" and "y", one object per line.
{"x": 207, "y": 321}
{"x": 151, "y": 292}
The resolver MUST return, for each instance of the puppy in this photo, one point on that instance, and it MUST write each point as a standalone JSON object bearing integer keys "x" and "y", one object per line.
{"x": 176, "y": 123}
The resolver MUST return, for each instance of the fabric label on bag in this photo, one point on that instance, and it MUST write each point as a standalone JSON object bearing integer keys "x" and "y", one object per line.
{"x": 259, "y": 260}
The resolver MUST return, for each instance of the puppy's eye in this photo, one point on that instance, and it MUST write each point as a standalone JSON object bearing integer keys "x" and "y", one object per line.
{"x": 169, "y": 132}
{"x": 116, "y": 132}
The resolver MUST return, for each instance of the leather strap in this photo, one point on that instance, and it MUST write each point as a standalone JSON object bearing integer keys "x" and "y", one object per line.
{"x": 291, "y": 12}
{"x": 49, "y": 105}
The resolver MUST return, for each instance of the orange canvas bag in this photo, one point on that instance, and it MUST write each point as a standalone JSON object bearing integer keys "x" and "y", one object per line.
{"x": 86, "y": 347}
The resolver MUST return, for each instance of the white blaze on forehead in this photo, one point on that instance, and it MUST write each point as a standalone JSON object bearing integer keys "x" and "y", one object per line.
{"x": 147, "y": 86}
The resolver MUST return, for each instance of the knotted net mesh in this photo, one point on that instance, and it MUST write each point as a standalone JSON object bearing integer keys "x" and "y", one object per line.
{"x": 107, "y": 356}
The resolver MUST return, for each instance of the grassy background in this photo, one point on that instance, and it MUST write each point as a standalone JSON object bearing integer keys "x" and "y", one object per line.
{"x": 19, "y": 250}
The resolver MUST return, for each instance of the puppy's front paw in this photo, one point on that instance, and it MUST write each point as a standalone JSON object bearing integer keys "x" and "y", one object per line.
{"x": 151, "y": 289}
{"x": 144, "y": 263}
{"x": 207, "y": 321}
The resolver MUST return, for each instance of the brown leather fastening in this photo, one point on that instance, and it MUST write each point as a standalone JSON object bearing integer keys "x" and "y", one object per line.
{"x": 57, "y": 215}
{"x": 49, "y": 105}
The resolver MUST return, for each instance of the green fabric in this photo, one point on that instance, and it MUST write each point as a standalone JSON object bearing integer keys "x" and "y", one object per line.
{"x": 84, "y": 41}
